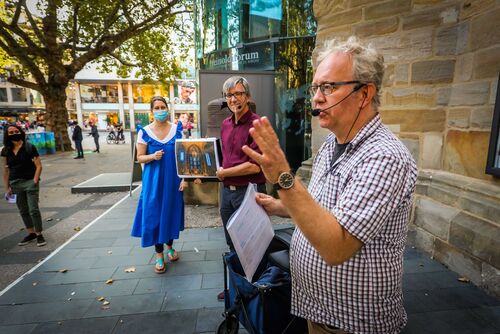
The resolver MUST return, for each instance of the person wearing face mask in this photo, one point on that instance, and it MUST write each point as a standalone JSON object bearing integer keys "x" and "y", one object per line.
{"x": 21, "y": 176}
{"x": 160, "y": 213}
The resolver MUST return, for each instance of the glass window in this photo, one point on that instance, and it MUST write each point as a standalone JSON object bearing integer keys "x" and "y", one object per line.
{"x": 264, "y": 19}
{"x": 94, "y": 93}
{"x": 144, "y": 93}
{"x": 3, "y": 95}
{"x": 19, "y": 94}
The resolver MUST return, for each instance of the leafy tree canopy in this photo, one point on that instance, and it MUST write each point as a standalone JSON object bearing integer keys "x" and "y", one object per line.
{"x": 46, "y": 42}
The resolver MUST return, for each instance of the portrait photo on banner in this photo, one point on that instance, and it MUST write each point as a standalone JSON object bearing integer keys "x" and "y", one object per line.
{"x": 198, "y": 158}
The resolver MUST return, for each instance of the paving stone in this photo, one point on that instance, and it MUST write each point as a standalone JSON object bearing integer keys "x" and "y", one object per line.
{"x": 82, "y": 276}
{"x": 210, "y": 281}
{"x": 422, "y": 265}
{"x": 102, "y": 235}
{"x": 199, "y": 235}
{"x": 203, "y": 245}
{"x": 43, "y": 312}
{"x": 101, "y": 289}
{"x": 183, "y": 282}
{"x": 18, "y": 329}
{"x": 35, "y": 294}
{"x": 208, "y": 319}
{"x": 192, "y": 299}
{"x": 489, "y": 314}
{"x": 120, "y": 260}
{"x": 196, "y": 267}
{"x": 454, "y": 321}
{"x": 178, "y": 322}
{"x": 120, "y": 305}
{"x": 58, "y": 262}
{"x": 141, "y": 271}
{"x": 430, "y": 280}
{"x": 104, "y": 251}
{"x": 92, "y": 243}
{"x": 216, "y": 254}
{"x": 149, "y": 285}
{"x": 78, "y": 326}
{"x": 189, "y": 256}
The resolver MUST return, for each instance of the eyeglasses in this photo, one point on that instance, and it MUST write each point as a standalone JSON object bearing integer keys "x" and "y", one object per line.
{"x": 327, "y": 88}
{"x": 237, "y": 95}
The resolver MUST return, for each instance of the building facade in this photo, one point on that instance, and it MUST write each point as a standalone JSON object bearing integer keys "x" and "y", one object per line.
{"x": 270, "y": 43}
{"x": 439, "y": 93}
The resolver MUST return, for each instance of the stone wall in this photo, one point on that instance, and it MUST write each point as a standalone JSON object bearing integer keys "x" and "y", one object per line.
{"x": 442, "y": 65}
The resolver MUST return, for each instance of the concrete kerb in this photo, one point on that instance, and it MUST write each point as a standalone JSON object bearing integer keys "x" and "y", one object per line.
{"x": 64, "y": 244}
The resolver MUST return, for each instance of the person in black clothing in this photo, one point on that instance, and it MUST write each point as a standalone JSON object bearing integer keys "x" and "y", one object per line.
{"x": 94, "y": 133}
{"x": 21, "y": 176}
{"x": 77, "y": 138}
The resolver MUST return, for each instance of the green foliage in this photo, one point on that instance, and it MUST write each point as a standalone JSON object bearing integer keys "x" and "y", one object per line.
{"x": 56, "y": 38}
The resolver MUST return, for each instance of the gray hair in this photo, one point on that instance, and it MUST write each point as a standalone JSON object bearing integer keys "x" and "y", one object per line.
{"x": 367, "y": 62}
{"x": 233, "y": 81}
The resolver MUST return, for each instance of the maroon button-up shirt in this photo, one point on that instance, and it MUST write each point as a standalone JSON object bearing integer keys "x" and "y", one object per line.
{"x": 233, "y": 137}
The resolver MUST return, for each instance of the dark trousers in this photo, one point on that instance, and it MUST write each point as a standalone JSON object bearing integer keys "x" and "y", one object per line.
{"x": 79, "y": 147}
{"x": 96, "y": 141}
{"x": 27, "y": 202}
{"x": 159, "y": 247}
{"x": 230, "y": 202}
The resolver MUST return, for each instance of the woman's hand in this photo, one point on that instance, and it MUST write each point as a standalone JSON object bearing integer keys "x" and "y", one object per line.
{"x": 197, "y": 181}
{"x": 183, "y": 185}
{"x": 8, "y": 190}
{"x": 157, "y": 155}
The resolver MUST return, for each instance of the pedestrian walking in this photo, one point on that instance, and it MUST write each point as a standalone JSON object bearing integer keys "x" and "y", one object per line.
{"x": 77, "y": 138}
{"x": 160, "y": 213}
{"x": 21, "y": 176}
{"x": 94, "y": 133}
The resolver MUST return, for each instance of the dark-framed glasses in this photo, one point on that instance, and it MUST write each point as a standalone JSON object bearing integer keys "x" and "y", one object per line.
{"x": 237, "y": 95}
{"x": 327, "y": 88}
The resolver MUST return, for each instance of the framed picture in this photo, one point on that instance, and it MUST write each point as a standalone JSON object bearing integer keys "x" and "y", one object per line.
{"x": 493, "y": 162}
{"x": 198, "y": 158}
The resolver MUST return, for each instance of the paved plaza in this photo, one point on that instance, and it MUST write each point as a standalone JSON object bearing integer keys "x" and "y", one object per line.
{"x": 94, "y": 278}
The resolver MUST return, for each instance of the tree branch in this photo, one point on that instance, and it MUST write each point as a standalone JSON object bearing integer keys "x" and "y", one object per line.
{"x": 124, "y": 62}
{"x": 14, "y": 50}
{"x": 24, "y": 83}
{"x": 33, "y": 24}
{"x": 75, "y": 30}
{"x": 15, "y": 18}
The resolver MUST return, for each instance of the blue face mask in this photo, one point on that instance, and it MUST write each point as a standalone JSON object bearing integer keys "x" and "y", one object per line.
{"x": 160, "y": 115}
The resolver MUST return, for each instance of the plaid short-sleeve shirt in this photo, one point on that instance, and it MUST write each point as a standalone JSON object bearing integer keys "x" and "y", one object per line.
{"x": 369, "y": 191}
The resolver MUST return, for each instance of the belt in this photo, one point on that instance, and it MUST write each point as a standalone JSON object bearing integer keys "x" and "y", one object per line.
{"x": 234, "y": 188}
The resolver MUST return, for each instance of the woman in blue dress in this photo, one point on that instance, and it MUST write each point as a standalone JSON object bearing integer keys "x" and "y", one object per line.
{"x": 160, "y": 212}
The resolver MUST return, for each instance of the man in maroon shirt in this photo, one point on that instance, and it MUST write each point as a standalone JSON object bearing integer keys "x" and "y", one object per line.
{"x": 237, "y": 170}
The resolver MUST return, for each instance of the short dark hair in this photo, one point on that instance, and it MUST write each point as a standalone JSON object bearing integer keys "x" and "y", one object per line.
{"x": 158, "y": 98}
{"x": 6, "y": 140}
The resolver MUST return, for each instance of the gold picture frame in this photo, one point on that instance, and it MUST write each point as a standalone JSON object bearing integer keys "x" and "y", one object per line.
{"x": 198, "y": 158}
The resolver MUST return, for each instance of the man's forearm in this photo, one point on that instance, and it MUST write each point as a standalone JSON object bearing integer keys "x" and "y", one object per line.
{"x": 246, "y": 168}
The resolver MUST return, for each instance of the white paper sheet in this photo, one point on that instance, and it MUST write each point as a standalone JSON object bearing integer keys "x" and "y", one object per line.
{"x": 251, "y": 231}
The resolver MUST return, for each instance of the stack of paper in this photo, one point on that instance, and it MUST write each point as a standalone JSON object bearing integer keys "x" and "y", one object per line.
{"x": 251, "y": 231}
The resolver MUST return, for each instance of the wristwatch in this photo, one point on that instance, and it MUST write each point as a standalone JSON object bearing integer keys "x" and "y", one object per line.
{"x": 286, "y": 180}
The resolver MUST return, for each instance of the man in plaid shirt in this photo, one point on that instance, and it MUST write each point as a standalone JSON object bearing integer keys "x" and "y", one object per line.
{"x": 346, "y": 253}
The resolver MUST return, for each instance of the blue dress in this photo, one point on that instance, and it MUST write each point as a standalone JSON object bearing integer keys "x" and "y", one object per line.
{"x": 160, "y": 213}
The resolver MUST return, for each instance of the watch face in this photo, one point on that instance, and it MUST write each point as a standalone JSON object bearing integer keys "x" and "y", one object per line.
{"x": 286, "y": 180}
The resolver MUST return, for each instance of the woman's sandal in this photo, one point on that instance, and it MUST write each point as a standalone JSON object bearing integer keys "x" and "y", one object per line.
{"x": 160, "y": 267}
{"x": 172, "y": 255}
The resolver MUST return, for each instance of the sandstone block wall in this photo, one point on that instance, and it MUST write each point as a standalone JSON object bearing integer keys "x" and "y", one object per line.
{"x": 442, "y": 66}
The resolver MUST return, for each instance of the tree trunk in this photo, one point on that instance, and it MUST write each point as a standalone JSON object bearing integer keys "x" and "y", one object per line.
{"x": 56, "y": 117}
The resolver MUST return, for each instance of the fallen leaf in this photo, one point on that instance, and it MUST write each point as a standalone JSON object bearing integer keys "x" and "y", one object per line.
{"x": 49, "y": 219}
{"x": 196, "y": 250}
{"x": 110, "y": 252}
{"x": 104, "y": 307}
{"x": 130, "y": 270}
{"x": 105, "y": 303}
{"x": 63, "y": 270}
{"x": 69, "y": 299}
{"x": 59, "y": 323}
{"x": 109, "y": 281}
{"x": 100, "y": 299}
{"x": 73, "y": 293}
{"x": 58, "y": 219}
{"x": 121, "y": 321}
{"x": 35, "y": 283}
{"x": 421, "y": 265}
{"x": 464, "y": 280}
{"x": 77, "y": 228}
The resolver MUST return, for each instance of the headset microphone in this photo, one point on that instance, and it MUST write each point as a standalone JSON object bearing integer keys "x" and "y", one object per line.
{"x": 316, "y": 112}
